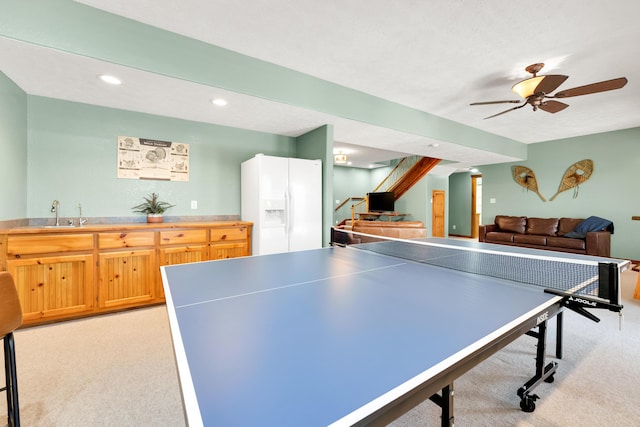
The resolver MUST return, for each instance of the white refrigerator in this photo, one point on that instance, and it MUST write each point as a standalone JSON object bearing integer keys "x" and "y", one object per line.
{"x": 283, "y": 198}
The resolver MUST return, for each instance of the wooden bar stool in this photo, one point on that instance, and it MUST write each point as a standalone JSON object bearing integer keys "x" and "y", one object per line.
{"x": 10, "y": 320}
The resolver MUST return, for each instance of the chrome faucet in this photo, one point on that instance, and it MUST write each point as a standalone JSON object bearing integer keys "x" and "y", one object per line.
{"x": 81, "y": 221}
{"x": 55, "y": 207}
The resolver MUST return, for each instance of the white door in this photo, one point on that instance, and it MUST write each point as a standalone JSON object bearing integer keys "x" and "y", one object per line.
{"x": 273, "y": 179}
{"x": 304, "y": 222}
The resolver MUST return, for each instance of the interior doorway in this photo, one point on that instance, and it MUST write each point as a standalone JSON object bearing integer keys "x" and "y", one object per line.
{"x": 476, "y": 204}
{"x": 437, "y": 213}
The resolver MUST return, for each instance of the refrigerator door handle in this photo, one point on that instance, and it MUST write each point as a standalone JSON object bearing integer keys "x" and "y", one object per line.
{"x": 287, "y": 212}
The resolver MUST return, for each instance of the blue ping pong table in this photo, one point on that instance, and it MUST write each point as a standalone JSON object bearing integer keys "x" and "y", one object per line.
{"x": 341, "y": 335}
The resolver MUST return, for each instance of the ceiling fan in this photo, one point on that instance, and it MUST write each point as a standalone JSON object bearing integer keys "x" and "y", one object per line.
{"x": 536, "y": 90}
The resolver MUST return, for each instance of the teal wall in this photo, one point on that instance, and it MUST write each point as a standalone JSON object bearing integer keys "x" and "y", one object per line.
{"x": 460, "y": 204}
{"x": 415, "y": 202}
{"x": 611, "y": 192}
{"x": 13, "y": 146}
{"x": 318, "y": 144}
{"x": 355, "y": 182}
{"x": 72, "y": 158}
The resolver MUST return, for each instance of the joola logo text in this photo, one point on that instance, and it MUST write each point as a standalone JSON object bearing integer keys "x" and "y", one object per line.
{"x": 583, "y": 301}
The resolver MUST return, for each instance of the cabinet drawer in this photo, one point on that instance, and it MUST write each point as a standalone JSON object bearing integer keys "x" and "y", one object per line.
{"x": 41, "y": 244}
{"x": 225, "y": 234}
{"x": 172, "y": 237}
{"x": 125, "y": 239}
{"x": 228, "y": 250}
{"x": 183, "y": 254}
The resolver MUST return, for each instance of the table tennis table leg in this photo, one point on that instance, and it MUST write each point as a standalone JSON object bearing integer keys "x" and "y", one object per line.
{"x": 445, "y": 402}
{"x": 543, "y": 372}
{"x": 559, "y": 335}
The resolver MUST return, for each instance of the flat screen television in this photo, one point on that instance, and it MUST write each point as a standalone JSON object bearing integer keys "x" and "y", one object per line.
{"x": 381, "y": 202}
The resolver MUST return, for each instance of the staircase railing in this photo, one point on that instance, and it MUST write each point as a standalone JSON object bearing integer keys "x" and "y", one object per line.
{"x": 363, "y": 204}
{"x": 347, "y": 200}
{"x": 397, "y": 172}
{"x": 345, "y": 210}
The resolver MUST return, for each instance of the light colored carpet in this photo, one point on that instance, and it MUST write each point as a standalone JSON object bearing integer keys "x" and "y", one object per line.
{"x": 119, "y": 370}
{"x": 111, "y": 370}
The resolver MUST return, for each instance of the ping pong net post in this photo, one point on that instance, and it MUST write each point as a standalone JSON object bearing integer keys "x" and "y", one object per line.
{"x": 582, "y": 283}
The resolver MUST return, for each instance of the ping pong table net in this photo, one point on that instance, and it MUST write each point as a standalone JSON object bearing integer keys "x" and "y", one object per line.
{"x": 582, "y": 282}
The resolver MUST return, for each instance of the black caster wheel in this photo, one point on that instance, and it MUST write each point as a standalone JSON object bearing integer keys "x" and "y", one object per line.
{"x": 549, "y": 379}
{"x": 527, "y": 404}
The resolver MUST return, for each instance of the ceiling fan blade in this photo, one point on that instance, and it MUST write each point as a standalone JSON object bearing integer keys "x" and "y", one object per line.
{"x": 593, "y": 88}
{"x": 506, "y": 111}
{"x": 553, "y": 106}
{"x": 550, "y": 83}
{"x": 496, "y": 102}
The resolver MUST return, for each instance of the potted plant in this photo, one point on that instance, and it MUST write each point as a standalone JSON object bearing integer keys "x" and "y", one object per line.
{"x": 153, "y": 207}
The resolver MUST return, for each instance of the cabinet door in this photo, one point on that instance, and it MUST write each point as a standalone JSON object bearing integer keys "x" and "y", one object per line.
{"x": 53, "y": 287}
{"x": 181, "y": 255}
{"x": 127, "y": 278}
{"x": 228, "y": 250}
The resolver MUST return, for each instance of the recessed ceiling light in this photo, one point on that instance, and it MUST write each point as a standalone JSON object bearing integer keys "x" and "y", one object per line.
{"x": 219, "y": 102}
{"x": 112, "y": 80}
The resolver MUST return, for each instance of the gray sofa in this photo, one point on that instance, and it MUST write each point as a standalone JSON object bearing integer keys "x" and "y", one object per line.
{"x": 546, "y": 233}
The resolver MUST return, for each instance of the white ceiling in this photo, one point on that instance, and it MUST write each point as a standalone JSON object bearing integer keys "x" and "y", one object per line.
{"x": 436, "y": 56}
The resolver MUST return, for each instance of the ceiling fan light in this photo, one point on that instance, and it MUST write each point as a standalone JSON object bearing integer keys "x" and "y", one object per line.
{"x": 527, "y": 87}
{"x": 340, "y": 158}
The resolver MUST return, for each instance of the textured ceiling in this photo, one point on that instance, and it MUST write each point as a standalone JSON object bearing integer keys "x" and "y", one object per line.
{"x": 437, "y": 56}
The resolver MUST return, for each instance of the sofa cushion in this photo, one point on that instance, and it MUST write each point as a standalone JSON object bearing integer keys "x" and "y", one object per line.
{"x": 515, "y": 224}
{"x": 530, "y": 239}
{"x": 565, "y": 242}
{"x": 566, "y": 225}
{"x": 542, "y": 226}
{"x": 499, "y": 236}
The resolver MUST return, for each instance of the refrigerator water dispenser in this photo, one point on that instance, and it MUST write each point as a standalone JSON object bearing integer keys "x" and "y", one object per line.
{"x": 274, "y": 212}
